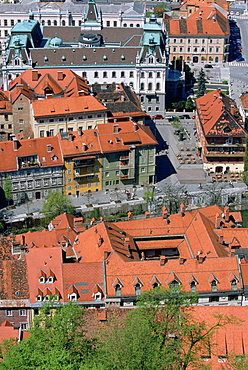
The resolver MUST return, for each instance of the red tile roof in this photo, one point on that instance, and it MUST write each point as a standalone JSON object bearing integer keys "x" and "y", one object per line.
{"x": 207, "y": 21}
{"x": 30, "y": 147}
{"x": 66, "y": 105}
{"x": 58, "y": 79}
{"x": 217, "y": 111}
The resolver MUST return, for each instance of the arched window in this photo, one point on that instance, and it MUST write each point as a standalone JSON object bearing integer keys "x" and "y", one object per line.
{"x": 131, "y": 25}
{"x": 55, "y": 23}
{"x": 17, "y": 62}
{"x": 158, "y": 86}
{"x": 155, "y": 285}
{"x": 150, "y": 86}
{"x": 137, "y": 25}
{"x": 137, "y": 288}
{"x": 193, "y": 286}
{"x": 142, "y": 86}
{"x": 142, "y": 99}
{"x": 49, "y": 22}
{"x": 142, "y": 75}
{"x": 118, "y": 290}
{"x": 150, "y": 75}
{"x": 234, "y": 284}
{"x": 63, "y": 23}
{"x": 43, "y": 22}
{"x": 214, "y": 286}
{"x": 124, "y": 25}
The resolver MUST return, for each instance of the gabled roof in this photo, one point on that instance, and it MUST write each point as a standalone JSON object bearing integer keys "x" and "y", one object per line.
{"x": 219, "y": 115}
{"x": 207, "y": 21}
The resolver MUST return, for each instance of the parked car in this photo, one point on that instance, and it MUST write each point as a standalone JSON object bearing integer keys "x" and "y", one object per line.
{"x": 240, "y": 59}
{"x": 193, "y": 117}
{"x": 184, "y": 116}
{"x": 208, "y": 66}
{"x": 158, "y": 116}
{"x": 170, "y": 117}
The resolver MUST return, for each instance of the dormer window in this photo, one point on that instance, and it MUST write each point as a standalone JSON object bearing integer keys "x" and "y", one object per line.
{"x": 50, "y": 279}
{"x": 214, "y": 286}
{"x": 98, "y": 296}
{"x": 137, "y": 288}
{"x": 39, "y": 298}
{"x": 42, "y": 280}
{"x": 73, "y": 297}
{"x": 155, "y": 285}
{"x": 234, "y": 284}
{"x": 174, "y": 285}
{"x": 193, "y": 286}
{"x": 118, "y": 290}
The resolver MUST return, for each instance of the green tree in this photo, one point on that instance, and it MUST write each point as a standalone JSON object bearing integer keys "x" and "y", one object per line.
{"x": 7, "y": 187}
{"x": 57, "y": 341}
{"x": 189, "y": 105}
{"x": 201, "y": 89}
{"x": 55, "y": 204}
{"x": 160, "y": 334}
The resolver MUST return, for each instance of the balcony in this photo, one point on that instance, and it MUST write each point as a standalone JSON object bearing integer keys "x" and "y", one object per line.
{"x": 224, "y": 154}
{"x": 28, "y": 161}
{"x": 124, "y": 157}
{"x": 79, "y": 175}
{"x": 123, "y": 177}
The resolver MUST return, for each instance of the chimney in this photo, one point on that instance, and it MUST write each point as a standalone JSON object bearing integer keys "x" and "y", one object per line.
{"x": 15, "y": 143}
{"x": 49, "y": 148}
{"x": 35, "y": 75}
{"x": 130, "y": 215}
{"x": 147, "y": 214}
{"x": 70, "y": 136}
{"x": 143, "y": 256}
{"x": 84, "y": 147}
{"x": 162, "y": 260}
{"x": 105, "y": 255}
{"x": 182, "y": 209}
{"x": 232, "y": 110}
{"x": 116, "y": 129}
{"x": 217, "y": 221}
{"x": 79, "y": 131}
{"x": 164, "y": 212}
{"x": 60, "y": 76}
{"x": 226, "y": 214}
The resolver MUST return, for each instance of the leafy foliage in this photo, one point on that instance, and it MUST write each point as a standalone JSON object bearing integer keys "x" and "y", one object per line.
{"x": 7, "y": 187}
{"x": 55, "y": 204}
{"x": 189, "y": 105}
{"x": 57, "y": 341}
{"x": 201, "y": 90}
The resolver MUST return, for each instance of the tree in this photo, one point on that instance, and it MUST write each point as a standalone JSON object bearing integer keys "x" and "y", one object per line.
{"x": 160, "y": 334}
{"x": 201, "y": 90}
{"x": 55, "y": 204}
{"x": 57, "y": 341}
{"x": 174, "y": 196}
{"x": 189, "y": 105}
{"x": 7, "y": 187}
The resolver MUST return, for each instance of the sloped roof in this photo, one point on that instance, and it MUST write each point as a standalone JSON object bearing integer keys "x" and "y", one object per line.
{"x": 216, "y": 112}
{"x": 207, "y": 21}
{"x": 29, "y": 147}
{"x": 66, "y": 105}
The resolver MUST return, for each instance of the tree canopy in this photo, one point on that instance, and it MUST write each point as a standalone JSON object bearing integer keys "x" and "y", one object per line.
{"x": 55, "y": 204}
{"x": 7, "y": 187}
{"x": 201, "y": 89}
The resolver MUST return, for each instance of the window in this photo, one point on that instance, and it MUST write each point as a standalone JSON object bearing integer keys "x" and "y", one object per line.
{"x": 155, "y": 285}
{"x": 54, "y": 181}
{"x": 106, "y": 174}
{"x": 55, "y": 23}
{"x": 188, "y": 50}
{"x": 89, "y": 169}
{"x": 115, "y": 23}
{"x": 158, "y": 75}
{"x": 9, "y": 312}
{"x": 61, "y": 119}
{"x": 131, "y": 74}
{"x": 175, "y": 40}
{"x": 49, "y": 22}
{"x": 181, "y": 41}
{"x": 210, "y": 41}
{"x": 21, "y": 121}
{"x": 174, "y": 285}
{"x": 118, "y": 290}
{"x": 180, "y": 49}
{"x": 142, "y": 75}
{"x": 142, "y": 86}
{"x": 9, "y": 127}
{"x": 5, "y": 22}
{"x": 37, "y": 183}
{"x": 23, "y": 312}
{"x": 30, "y": 184}
{"x": 214, "y": 286}
{"x": 73, "y": 23}
{"x": 217, "y": 50}
{"x": 73, "y": 297}
{"x": 193, "y": 286}
{"x": 150, "y": 86}
{"x": 15, "y": 186}
{"x": 150, "y": 75}
{"x": 174, "y": 49}
{"x": 105, "y": 74}
{"x": 137, "y": 289}
{"x": 23, "y": 326}
{"x": 113, "y": 74}
{"x": 158, "y": 86}
{"x": 122, "y": 74}
{"x": 108, "y": 23}
{"x": 96, "y": 75}
{"x": 117, "y": 173}
{"x": 42, "y": 133}
{"x": 46, "y": 182}
{"x": 51, "y": 132}
{"x": 234, "y": 284}
{"x": 63, "y": 23}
